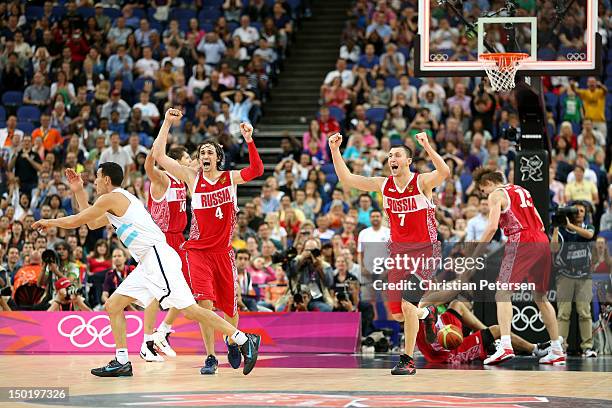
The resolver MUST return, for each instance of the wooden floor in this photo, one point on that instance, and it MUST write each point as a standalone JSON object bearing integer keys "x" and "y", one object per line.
{"x": 181, "y": 376}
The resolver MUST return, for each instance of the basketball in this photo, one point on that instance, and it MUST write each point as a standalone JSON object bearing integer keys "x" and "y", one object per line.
{"x": 450, "y": 337}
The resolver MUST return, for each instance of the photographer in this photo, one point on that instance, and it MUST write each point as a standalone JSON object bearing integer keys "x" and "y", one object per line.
{"x": 572, "y": 259}
{"x": 346, "y": 290}
{"x": 64, "y": 294}
{"x": 310, "y": 279}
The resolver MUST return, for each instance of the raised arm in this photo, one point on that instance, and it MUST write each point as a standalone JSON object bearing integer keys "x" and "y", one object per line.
{"x": 433, "y": 179}
{"x": 158, "y": 150}
{"x": 157, "y": 177}
{"x": 76, "y": 186}
{"x": 345, "y": 176}
{"x": 256, "y": 167}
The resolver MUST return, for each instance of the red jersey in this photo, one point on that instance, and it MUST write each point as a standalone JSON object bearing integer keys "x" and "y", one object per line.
{"x": 170, "y": 212}
{"x": 520, "y": 215}
{"x": 214, "y": 206}
{"x": 412, "y": 216}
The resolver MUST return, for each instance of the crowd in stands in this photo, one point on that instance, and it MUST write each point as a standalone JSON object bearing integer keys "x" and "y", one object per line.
{"x": 101, "y": 87}
{"x": 86, "y": 82}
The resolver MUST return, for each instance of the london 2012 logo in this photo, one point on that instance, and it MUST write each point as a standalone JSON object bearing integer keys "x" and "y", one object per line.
{"x": 86, "y": 333}
{"x": 531, "y": 168}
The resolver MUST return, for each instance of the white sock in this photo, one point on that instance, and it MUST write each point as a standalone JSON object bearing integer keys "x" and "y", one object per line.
{"x": 164, "y": 328}
{"x": 535, "y": 348}
{"x": 148, "y": 337}
{"x": 556, "y": 344}
{"x": 425, "y": 313}
{"x": 239, "y": 338}
{"x": 506, "y": 342}
{"x": 121, "y": 354}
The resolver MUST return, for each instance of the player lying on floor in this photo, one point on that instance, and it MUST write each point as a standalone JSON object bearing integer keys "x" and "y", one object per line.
{"x": 474, "y": 346}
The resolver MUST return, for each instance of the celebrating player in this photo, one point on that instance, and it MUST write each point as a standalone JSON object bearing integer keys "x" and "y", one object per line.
{"x": 168, "y": 207}
{"x": 151, "y": 279}
{"x": 407, "y": 200}
{"x": 212, "y": 273}
{"x": 526, "y": 257}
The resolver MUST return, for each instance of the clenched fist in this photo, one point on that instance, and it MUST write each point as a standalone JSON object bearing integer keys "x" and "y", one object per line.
{"x": 335, "y": 141}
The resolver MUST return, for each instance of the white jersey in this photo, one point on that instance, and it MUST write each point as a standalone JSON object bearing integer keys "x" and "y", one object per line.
{"x": 136, "y": 229}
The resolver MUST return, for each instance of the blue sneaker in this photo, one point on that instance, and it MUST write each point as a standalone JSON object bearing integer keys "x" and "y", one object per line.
{"x": 210, "y": 366}
{"x": 113, "y": 369}
{"x": 250, "y": 351}
{"x": 233, "y": 354}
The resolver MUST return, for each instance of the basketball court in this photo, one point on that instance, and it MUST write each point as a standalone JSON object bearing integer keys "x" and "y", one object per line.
{"x": 320, "y": 380}
{"x": 503, "y": 42}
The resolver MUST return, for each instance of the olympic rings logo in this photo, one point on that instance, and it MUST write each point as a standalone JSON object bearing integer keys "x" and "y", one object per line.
{"x": 527, "y": 317}
{"x": 575, "y": 56}
{"x": 93, "y": 330}
{"x": 438, "y": 57}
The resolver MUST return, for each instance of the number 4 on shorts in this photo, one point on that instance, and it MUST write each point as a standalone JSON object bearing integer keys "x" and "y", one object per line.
{"x": 219, "y": 213}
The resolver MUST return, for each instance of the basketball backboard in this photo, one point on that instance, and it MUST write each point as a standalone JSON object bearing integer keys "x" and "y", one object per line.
{"x": 560, "y": 36}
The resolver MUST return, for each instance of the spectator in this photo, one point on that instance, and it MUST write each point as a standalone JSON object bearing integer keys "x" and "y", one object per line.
{"x": 116, "y": 104}
{"x": 581, "y": 189}
{"x": 26, "y": 164}
{"x": 37, "y": 94}
{"x": 594, "y": 103}
{"x": 51, "y": 137}
{"x": 115, "y": 275}
{"x": 10, "y": 133}
{"x": 342, "y": 72}
{"x": 116, "y": 154}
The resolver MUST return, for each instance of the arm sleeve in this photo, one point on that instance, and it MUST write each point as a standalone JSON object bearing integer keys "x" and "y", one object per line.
{"x": 256, "y": 167}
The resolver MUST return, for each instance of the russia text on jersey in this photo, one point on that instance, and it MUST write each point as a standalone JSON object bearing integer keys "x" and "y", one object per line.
{"x": 213, "y": 199}
{"x": 406, "y": 204}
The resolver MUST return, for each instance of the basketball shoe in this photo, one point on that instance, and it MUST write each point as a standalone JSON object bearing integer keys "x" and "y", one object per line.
{"x": 405, "y": 366}
{"x": 148, "y": 352}
{"x": 501, "y": 354}
{"x": 233, "y": 354}
{"x": 250, "y": 352}
{"x": 430, "y": 324}
{"x": 161, "y": 342}
{"x": 555, "y": 358}
{"x": 210, "y": 366}
{"x": 541, "y": 349}
{"x": 113, "y": 369}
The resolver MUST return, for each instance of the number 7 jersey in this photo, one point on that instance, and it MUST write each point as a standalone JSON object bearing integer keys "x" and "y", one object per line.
{"x": 412, "y": 216}
{"x": 214, "y": 206}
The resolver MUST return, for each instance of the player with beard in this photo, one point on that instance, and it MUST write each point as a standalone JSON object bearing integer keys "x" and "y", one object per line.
{"x": 211, "y": 268}
{"x": 407, "y": 200}
{"x": 526, "y": 257}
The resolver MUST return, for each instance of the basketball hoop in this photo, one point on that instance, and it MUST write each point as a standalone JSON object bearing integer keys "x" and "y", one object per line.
{"x": 501, "y": 68}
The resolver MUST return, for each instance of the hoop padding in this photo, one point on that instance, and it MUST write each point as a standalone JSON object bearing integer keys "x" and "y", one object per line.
{"x": 501, "y": 68}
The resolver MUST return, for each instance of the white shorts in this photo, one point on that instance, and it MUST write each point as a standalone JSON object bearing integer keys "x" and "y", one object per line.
{"x": 159, "y": 276}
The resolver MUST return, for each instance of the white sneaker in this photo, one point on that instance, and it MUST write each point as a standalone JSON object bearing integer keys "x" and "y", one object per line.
{"x": 541, "y": 350}
{"x": 161, "y": 342}
{"x": 590, "y": 353}
{"x": 501, "y": 354}
{"x": 553, "y": 358}
{"x": 148, "y": 353}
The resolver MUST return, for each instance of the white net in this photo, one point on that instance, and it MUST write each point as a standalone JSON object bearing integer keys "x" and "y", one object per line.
{"x": 501, "y": 69}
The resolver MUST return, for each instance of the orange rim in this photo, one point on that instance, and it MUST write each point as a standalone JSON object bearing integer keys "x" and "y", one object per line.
{"x": 504, "y": 59}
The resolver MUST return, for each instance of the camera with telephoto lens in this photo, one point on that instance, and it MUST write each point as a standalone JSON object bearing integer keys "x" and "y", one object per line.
{"x": 284, "y": 257}
{"x": 341, "y": 296}
{"x": 511, "y": 133}
{"x": 73, "y": 290}
{"x": 49, "y": 256}
{"x": 562, "y": 214}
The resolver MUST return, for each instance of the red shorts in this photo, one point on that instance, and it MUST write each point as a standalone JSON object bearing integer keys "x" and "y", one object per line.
{"x": 418, "y": 263}
{"x": 527, "y": 258}
{"x": 175, "y": 240}
{"x": 213, "y": 276}
{"x": 472, "y": 348}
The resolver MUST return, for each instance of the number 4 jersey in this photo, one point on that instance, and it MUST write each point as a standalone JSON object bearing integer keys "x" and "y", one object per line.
{"x": 214, "y": 206}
